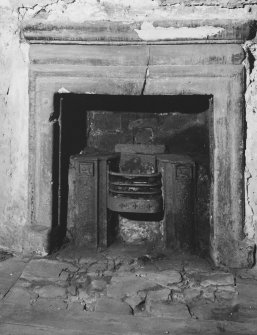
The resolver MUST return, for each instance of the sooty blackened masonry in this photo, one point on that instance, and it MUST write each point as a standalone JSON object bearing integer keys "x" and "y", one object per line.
{"x": 139, "y": 170}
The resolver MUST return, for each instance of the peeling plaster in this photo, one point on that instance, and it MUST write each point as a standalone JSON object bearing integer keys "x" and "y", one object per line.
{"x": 150, "y": 33}
{"x": 250, "y": 63}
{"x": 63, "y": 90}
{"x": 80, "y": 11}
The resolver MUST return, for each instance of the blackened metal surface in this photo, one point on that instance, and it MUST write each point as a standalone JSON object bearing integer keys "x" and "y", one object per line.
{"x": 179, "y": 199}
{"x": 89, "y": 200}
{"x": 135, "y": 193}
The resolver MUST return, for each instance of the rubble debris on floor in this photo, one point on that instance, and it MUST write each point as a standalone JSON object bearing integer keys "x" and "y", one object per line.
{"x": 169, "y": 285}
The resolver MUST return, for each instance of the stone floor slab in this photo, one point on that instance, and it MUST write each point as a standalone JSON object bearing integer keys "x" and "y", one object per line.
{"x": 129, "y": 285}
{"x": 10, "y": 271}
{"x": 51, "y": 291}
{"x": 217, "y": 279}
{"x": 44, "y": 269}
{"x": 112, "y": 306}
{"x": 168, "y": 310}
{"x": 164, "y": 278}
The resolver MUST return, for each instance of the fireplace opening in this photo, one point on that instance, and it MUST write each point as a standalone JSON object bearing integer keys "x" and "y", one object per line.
{"x": 132, "y": 169}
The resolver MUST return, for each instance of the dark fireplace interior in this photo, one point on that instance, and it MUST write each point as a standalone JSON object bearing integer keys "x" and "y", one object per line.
{"x": 88, "y": 126}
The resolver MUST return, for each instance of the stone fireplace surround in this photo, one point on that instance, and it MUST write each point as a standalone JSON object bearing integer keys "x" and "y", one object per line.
{"x": 108, "y": 59}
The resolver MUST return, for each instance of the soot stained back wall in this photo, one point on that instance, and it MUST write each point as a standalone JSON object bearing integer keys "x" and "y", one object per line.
{"x": 100, "y": 122}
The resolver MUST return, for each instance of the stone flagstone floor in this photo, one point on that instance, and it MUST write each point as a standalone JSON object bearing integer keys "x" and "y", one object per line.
{"x": 130, "y": 286}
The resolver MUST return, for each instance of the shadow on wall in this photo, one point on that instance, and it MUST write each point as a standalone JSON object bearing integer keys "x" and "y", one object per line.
{"x": 69, "y": 138}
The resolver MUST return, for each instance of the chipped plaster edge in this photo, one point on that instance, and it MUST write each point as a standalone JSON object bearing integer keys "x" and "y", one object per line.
{"x": 250, "y": 64}
{"x": 150, "y": 33}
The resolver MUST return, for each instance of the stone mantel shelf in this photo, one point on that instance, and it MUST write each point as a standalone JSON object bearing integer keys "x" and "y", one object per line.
{"x": 110, "y": 32}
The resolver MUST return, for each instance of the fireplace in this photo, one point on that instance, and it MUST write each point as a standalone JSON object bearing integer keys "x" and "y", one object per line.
{"x": 132, "y": 168}
{"x": 204, "y": 82}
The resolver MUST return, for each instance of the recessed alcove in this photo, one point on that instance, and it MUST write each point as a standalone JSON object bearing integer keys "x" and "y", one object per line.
{"x": 96, "y": 123}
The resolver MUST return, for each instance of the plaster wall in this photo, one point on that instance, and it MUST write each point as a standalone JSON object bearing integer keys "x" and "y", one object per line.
{"x": 14, "y": 216}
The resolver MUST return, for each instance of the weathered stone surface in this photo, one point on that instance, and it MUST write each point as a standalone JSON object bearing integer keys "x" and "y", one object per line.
{"x": 217, "y": 279}
{"x": 121, "y": 287}
{"x": 159, "y": 295}
{"x": 88, "y": 298}
{"x": 44, "y": 269}
{"x": 251, "y": 140}
{"x": 138, "y": 232}
{"x": 168, "y": 310}
{"x": 197, "y": 265}
{"x": 10, "y": 270}
{"x": 191, "y": 294}
{"x": 178, "y": 297}
{"x": 247, "y": 294}
{"x": 72, "y": 290}
{"x": 226, "y": 293}
{"x": 208, "y": 293}
{"x": 214, "y": 311}
{"x": 20, "y": 296}
{"x": 23, "y": 283}
{"x": 98, "y": 285}
{"x": 112, "y": 306}
{"x": 51, "y": 291}
{"x": 169, "y": 264}
{"x": 136, "y": 299}
{"x": 164, "y": 278}
{"x": 98, "y": 267}
{"x": 50, "y": 304}
{"x": 77, "y": 308}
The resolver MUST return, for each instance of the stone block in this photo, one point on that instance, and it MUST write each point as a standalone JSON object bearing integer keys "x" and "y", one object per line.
{"x": 98, "y": 285}
{"x": 45, "y": 269}
{"x": 217, "y": 279}
{"x": 168, "y": 310}
{"x": 214, "y": 311}
{"x": 51, "y": 291}
{"x": 191, "y": 294}
{"x": 226, "y": 293}
{"x": 208, "y": 293}
{"x": 135, "y": 300}
{"x": 46, "y": 304}
{"x": 72, "y": 290}
{"x": 112, "y": 306}
{"x": 76, "y": 308}
{"x": 139, "y": 232}
{"x": 247, "y": 293}
{"x": 165, "y": 278}
{"x": 20, "y": 296}
{"x": 127, "y": 286}
{"x": 159, "y": 295}
{"x": 10, "y": 271}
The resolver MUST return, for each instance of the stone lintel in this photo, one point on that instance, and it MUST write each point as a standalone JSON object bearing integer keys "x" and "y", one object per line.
{"x": 157, "y": 32}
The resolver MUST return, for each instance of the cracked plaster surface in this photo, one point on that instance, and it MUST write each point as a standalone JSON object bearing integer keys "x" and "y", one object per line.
{"x": 13, "y": 129}
{"x": 150, "y": 33}
{"x": 132, "y": 10}
{"x": 251, "y": 140}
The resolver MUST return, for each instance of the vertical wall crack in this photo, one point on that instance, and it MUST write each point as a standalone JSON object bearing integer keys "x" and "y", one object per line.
{"x": 146, "y": 72}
